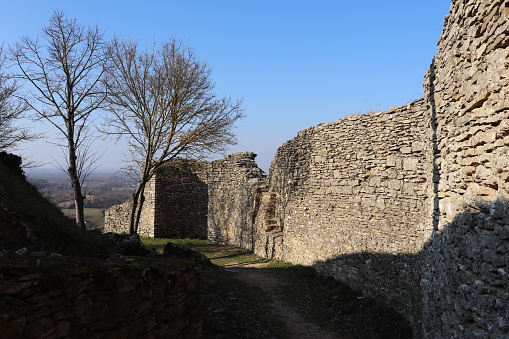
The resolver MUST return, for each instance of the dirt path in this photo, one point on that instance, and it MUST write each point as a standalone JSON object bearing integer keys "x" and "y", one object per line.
{"x": 255, "y": 275}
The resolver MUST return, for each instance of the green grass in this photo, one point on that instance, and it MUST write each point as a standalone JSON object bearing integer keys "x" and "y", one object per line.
{"x": 220, "y": 255}
{"x": 96, "y": 215}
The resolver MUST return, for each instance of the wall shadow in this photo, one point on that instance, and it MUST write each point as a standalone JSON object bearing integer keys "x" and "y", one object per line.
{"x": 181, "y": 203}
{"x": 436, "y": 151}
{"x": 316, "y": 301}
{"x": 457, "y": 285}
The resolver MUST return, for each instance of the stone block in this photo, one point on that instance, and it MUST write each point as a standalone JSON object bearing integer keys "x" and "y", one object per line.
{"x": 394, "y": 184}
{"x": 406, "y": 150}
{"x": 391, "y": 162}
{"x": 62, "y": 329}
{"x": 410, "y": 164}
{"x": 13, "y": 328}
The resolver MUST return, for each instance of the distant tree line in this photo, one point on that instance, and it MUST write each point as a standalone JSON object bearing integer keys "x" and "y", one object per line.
{"x": 160, "y": 99}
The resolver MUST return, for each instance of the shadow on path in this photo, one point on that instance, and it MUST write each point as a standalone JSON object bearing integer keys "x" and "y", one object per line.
{"x": 311, "y": 306}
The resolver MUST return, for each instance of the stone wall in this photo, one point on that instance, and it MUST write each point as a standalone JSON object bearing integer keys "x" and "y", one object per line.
{"x": 408, "y": 205}
{"x": 116, "y": 218}
{"x": 411, "y": 205}
{"x": 181, "y": 193}
{"x": 465, "y": 273}
{"x": 175, "y": 204}
{"x": 234, "y": 191}
{"x": 180, "y": 207}
{"x": 80, "y": 300}
{"x": 354, "y": 199}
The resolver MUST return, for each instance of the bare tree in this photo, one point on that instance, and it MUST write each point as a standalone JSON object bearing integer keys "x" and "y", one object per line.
{"x": 162, "y": 99}
{"x": 11, "y": 110}
{"x": 65, "y": 68}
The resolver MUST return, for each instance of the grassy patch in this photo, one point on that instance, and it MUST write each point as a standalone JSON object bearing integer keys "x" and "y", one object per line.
{"x": 219, "y": 255}
{"x": 96, "y": 215}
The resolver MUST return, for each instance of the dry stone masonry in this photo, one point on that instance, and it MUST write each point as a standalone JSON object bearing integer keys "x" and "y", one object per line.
{"x": 84, "y": 300}
{"x": 176, "y": 202}
{"x": 410, "y": 205}
{"x": 234, "y": 186}
{"x": 465, "y": 276}
{"x": 117, "y": 217}
{"x": 353, "y": 198}
{"x": 180, "y": 195}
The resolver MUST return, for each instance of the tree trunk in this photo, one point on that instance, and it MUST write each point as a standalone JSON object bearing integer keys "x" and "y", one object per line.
{"x": 76, "y": 185}
{"x": 138, "y": 201}
{"x": 79, "y": 202}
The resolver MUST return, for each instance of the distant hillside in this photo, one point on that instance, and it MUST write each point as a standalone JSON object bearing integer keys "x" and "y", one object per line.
{"x": 29, "y": 220}
{"x": 103, "y": 188}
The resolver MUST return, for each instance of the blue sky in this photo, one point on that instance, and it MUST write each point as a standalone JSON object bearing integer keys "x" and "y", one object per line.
{"x": 295, "y": 63}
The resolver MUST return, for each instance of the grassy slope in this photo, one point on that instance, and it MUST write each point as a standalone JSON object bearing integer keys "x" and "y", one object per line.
{"x": 23, "y": 211}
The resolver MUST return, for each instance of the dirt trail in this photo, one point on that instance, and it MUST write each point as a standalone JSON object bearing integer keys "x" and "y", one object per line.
{"x": 254, "y": 275}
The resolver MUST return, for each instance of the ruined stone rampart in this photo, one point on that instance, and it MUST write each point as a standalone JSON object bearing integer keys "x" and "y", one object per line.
{"x": 360, "y": 185}
{"x": 412, "y": 204}
{"x": 234, "y": 190}
{"x": 364, "y": 176}
{"x": 175, "y": 206}
{"x": 181, "y": 193}
{"x": 116, "y": 218}
{"x": 408, "y": 205}
{"x": 465, "y": 275}
{"x": 81, "y": 300}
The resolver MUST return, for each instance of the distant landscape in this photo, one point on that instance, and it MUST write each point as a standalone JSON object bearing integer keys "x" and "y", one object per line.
{"x": 103, "y": 189}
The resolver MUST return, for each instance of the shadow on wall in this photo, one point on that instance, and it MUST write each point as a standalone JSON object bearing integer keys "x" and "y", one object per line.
{"x": 457, "y": 285}
{"x": 182, "y": 200}
{"x": 434, "y": 126}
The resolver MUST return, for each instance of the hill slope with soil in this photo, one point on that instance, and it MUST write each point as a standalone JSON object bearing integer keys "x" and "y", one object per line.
{"x": 28, "y": 220}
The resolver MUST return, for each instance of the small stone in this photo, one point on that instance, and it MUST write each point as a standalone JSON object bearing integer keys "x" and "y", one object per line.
{"x": 21, "y": 251}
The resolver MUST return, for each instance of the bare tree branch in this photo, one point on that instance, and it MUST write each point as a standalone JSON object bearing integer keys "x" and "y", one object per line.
{"x": 11, "y": 111}
{"x": 65, "y": 68}
{"x": 163, "y": 101}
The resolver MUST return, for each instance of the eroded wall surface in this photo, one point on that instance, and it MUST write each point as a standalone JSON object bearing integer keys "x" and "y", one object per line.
{"x": 176, "y": 202}
{"x": 116, "y": 218}
{"x": 465, "y": 275}
{"x": 234, "y": 185}
{"x": 180, "y": 206}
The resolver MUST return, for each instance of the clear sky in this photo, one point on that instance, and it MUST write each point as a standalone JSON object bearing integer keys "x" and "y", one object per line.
{"x": 296, "y": 63}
